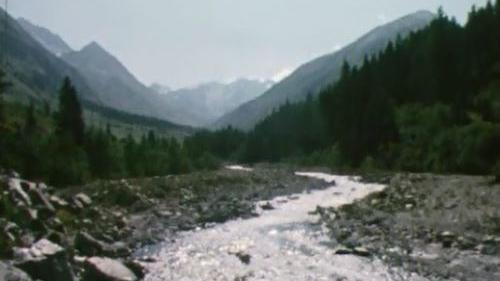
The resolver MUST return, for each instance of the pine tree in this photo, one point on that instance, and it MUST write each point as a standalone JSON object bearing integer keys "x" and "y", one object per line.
{"x": 70, "y": 117}
{"x": 30, "y": 123}
{"x": 3, "y": 87}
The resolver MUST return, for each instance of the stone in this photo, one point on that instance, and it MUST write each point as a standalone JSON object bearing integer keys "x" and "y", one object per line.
{"x": 244, "y": 257}
{"x": 42, "y": 186}
{"x": 17, "y": 192}
{"x": 14, "y": 174}
{"x": 77, "y": 205}
{"x": 45, "y": 261}
{"x": 362, "y": 252}
{"x": 343, "y": 251}
{"x": 267, "y": 206}
{"x": 58, "y": 201}
{"x": 138, "y": 269}
{"x": 39, "y": 198}
{"x": 84, "y": 199}
{"x": 446, "y": 238}
{"x": 11, "y": 273}
{"x": 87, "y": 245}
{"x": 106, "y": 269}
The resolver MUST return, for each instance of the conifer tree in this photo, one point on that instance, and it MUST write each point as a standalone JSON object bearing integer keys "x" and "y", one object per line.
{"x": 3, "y": 87}
{"x": 30, "y": 123}
{"x": 70, "y": 117}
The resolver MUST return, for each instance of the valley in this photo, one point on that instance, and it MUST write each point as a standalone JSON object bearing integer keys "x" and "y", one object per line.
{"x": 151, "y": 143}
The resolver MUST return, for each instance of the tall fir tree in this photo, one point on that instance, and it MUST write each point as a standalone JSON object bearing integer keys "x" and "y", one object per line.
{"x": 3, "y": 87}
{"x": 70, "y": 117}
{"x": 30, "y": 123}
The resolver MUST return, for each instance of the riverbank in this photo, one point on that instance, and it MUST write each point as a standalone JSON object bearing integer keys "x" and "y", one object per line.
{"x": 440, "y": 227}
{"x": 49, "y": 232}
{"x": 285, "y": 243}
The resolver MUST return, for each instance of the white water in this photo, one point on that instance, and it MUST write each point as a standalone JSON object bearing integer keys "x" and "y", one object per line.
{"x": 284, "y": 244}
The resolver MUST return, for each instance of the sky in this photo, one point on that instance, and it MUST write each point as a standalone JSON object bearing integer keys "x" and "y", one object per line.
{"x": 182, "y": 43}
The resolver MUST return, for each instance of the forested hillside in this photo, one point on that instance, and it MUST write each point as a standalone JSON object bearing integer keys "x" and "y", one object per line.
{"x": 58, "y": 147}
{"x": 312, "y": 77}
{"x": 429, "y": 102}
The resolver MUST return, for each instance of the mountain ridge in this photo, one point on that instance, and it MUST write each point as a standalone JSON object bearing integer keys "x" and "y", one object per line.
{"x": 49, "y": 40}
{"x": 315, "y": 75}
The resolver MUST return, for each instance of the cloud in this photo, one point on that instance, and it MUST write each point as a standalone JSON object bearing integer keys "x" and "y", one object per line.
{"x": 281, "y": 74}
{"x": 337, "y": 47}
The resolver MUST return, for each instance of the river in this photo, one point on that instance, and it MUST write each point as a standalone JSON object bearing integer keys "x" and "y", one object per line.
{"x": 285, "y": 243}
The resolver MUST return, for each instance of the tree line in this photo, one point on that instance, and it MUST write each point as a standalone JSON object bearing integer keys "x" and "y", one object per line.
{"x": 428, "y": 102}
{"x": 58, "y": 148}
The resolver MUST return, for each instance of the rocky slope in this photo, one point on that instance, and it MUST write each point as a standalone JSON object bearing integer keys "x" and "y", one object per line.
{"x": 89, "y": 232}
{"x": 440, "y": 227}
{"x": 315, "y": 75}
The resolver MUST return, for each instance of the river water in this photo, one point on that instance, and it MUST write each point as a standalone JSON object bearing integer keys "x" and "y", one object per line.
{"x": 281, "y": 244}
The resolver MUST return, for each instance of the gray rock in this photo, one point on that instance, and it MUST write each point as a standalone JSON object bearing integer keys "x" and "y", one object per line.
{"x": 45, "y": 261}
{"x": 244, "y": 258}
{"x": 87, "y": 245}
{"x": 84, "y": 199}
{"x": 106, "y": 269}
{"x": 362, "y": 252}
{"x": 17, "y": 192}
{"x": 11, "y": 273}
{"x": 267, "y": 206}
{"x": 39, "y": 198}
{"x": 343, "y": 251}
{"x": 446, "y": 238}
{"x": 138, "y": 269}
{"x": 58, "y": 201}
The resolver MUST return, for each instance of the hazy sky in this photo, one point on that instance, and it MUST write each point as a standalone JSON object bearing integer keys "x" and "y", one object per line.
{"x": 185, "y": 42}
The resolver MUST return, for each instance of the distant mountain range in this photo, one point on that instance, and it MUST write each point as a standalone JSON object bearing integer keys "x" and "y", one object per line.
{"x": 39, "y": 59}
{"x": 315, "y": 75}
{"x": 205, "y": 103}
{"x": 114, "y": 86}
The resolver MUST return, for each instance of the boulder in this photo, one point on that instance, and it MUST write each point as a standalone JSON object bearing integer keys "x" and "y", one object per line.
{"x": 343, "y": 251}
{"x": 446, "y": 238}
{"x": 362, "y": 252}
{"x": 137, "y": 268}
{"x": 106, "y": 269}
{"x": 11, "y": 273}
{"x": 45, "y": 261}
{"x": 87, "y": 245}
{"x": 39, "y": 198}
{"x": 84, "y": 199}
{"x": 244, "y": 257}
{"x": 267, "y": 206}
{"x": 58, "y": 201}
{"x": 17, "y": 192}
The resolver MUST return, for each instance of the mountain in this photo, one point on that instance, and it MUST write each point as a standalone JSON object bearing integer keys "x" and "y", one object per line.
{"x": 111, "y": 80}
{"x": 201, "y": 105}
{"x": 112, "y": 84}
{"x": 315, "y": 75}
{"x": 49, "y": 40}
{"x": 160, "y": 89}
{"x": 35, "y": 72}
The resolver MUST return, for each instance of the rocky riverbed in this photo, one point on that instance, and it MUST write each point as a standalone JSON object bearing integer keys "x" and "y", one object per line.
{"x": 285, "y": 242}
{"x": 439, "y": 227}
{"x": 89, "y": 232}
{"x": 262, "y": 223}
